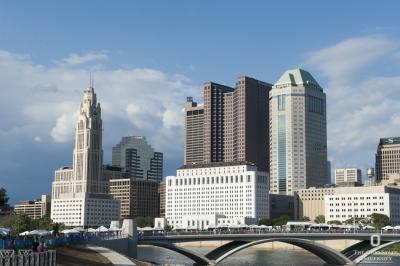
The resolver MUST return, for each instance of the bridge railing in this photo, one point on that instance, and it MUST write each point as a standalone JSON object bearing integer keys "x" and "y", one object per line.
{"x": 260, "y": 232}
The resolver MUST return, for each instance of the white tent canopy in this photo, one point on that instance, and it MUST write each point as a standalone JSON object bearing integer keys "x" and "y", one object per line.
{"x": 92, "y": 230}
{"x": 147, "y": 228}
{"x": 39, "y": 232}
{"x": 102, "y": 229}
{"x": 234, "y": 226}
{"x": 369, "y": 227}
{"x": 26, "y": 233}
{"x": 388, "y": 227}
{"x": 70, "y": 231}
{"x": 4, "y": 231}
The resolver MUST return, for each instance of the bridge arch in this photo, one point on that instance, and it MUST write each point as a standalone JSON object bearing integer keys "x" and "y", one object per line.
{"x": 327, "y": 254}
{"x": 373, "y": 250}
{"x": 196, "y": 257}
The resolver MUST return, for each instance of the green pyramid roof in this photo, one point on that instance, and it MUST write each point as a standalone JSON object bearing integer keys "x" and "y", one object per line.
{"x": 296, "y": 76}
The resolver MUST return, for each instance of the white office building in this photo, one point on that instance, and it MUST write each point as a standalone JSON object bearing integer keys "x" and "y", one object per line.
{"x": 79, "y": 193}
{"x": 298, "y": 144}
{"x": 360, "y": 202}
{"x": 206, "y": 195}
{"x": 347, "y": 175}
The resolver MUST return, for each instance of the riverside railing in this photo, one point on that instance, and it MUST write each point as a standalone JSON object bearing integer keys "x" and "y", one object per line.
{"x": 8, "y": 244}
{"x": 269, "y": 232}
{"x": 27, "y": 258}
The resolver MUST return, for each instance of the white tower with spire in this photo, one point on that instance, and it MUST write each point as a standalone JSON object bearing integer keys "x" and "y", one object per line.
{"x": 88, "y": 153}
{"x": 83, "y": 185}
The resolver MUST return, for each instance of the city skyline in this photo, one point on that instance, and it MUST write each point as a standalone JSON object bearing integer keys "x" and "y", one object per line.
{"x": 42, "y": 78}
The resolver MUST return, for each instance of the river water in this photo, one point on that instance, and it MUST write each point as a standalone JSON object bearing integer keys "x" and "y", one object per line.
{"x": 249, "y": 257}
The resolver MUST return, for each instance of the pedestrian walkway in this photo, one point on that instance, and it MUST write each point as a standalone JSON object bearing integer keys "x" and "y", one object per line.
{"x": 114, "y": 257}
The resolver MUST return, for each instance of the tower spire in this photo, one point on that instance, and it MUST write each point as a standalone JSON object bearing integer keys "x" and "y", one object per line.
{"x": 90, "y": 80}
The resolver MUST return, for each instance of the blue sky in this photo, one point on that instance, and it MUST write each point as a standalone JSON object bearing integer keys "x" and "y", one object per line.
{"x": 148, "y": 56}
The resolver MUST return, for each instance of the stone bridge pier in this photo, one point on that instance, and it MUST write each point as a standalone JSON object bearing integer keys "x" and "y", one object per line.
{"x": 126, "y": 246}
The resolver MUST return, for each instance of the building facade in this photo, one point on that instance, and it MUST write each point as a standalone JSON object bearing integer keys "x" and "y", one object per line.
{"x": 137, "y": 197}
{"x": 211, "y": 194}
{"x": 161, "y": 192}
{"x": 194, "y": 132}
{"x": 35, "y": 209}
{"x": 138, "y": 159}
{"x": 360, "y": 202}
{"x": 298, "y": 142}
{"x": 282, "y": 205}
{"x": 231, "y": 126}
{"x": 387, "y": 158}
{"x": 348, "y": 175}
{"x": 310, "y": 202}
{"x": 79, "y": 193}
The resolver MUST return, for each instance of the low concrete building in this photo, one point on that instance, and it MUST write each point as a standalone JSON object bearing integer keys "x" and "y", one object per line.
{"x": 210, "y": 194}
{"x": 35, "y": 209}
{"x": 137, "y": 197}
{"x": 345, "y": 176}
{"x": 360, "y": 202}
{"x": 310, "y": 202}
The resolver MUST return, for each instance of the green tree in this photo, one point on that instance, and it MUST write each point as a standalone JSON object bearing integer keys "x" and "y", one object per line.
{"x": 335, "y": 222}
{"x": 281, "y": 220}
{"x": 356, "y": 220}
{"x": 379, "y": 220}
{"x": 3, "y": 197}
{"x": 43, "y": 223}
{"x": 320, "y": 219}
{"x": 21, "y": 224}
{"x": 265, "y": 221}
{"x": 306, "y": 219}
{"x": 57, "y": 228}
{"x": 144, "y": 221}
{"x": 167, "y": 228}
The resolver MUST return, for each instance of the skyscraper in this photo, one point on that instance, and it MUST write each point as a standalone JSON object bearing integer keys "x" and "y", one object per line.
{"x": 250, "y": 122}
{"x": 194, "y": 132}
{"x": 234, "y": 125}
{"x": 387, "y": 159}
{"x": 298, "y": 144}
{"x": 79, "y": 191}
{"x": 138, "y": 159}
{"x": 214, "y": 131}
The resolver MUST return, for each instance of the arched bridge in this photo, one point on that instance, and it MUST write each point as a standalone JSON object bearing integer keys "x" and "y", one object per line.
{"x": 237, "y": 242}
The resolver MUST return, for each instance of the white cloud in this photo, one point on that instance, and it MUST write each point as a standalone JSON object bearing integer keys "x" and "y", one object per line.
{"x": 37, "y": 139}
{"x": 64, "y": 128}
{"x": 135, "y": 101}
{"x": 361, "y": 107}
{"x": 77, "y": 59}
{"x": 342, "y": 60}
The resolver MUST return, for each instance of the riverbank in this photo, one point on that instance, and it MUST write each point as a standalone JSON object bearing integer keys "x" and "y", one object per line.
{"x": 74, "y": 256}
